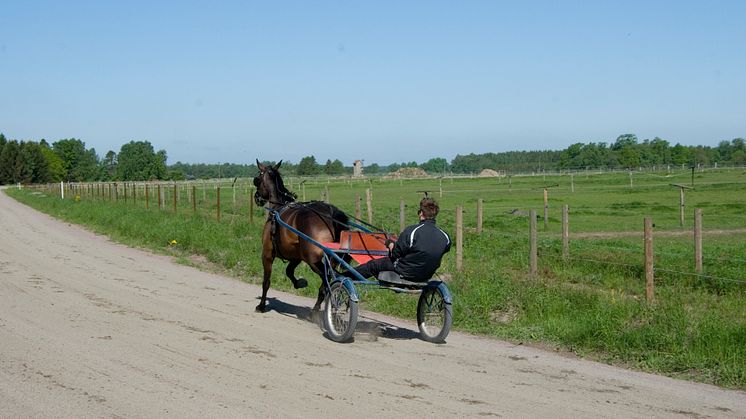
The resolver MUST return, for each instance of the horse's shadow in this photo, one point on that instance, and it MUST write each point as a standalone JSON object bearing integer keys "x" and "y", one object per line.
{"x": 367, "y": 329}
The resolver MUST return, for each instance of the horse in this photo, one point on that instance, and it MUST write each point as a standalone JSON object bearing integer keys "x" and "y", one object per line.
{"x": 321, "y": 221}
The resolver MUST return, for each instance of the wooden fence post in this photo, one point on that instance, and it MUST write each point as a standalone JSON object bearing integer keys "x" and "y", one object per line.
{"x": 116, "y": 192}
{"x": 480, "y": 206}
{"x": 649, "y": 273}
{"x": 358, "y": 210}
{"x": 546, "y": 208}
{"x": 194, "y": 199}
{"x": 175, "y": 197}
{"x": 327, "y": 198}
{"x": 565, "y": 232}
{"x": 147, "y": 197}
{"x": 218, "y": 209}
{"x": 572, "y": 183}
{"x": 251, "y": 209}
{"x": 532, "y": 245}
{"x": 125, "y": 192}
{"x": 369, "y": 202}
{"x": 402, "y": 217}
{"x": 698, "y": 240}
{"x": 459, "y": 237}
{"x": 160, "y": 197}
{"x": 681, "y": 207}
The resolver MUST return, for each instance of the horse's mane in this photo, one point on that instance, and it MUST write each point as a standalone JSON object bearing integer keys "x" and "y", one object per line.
{"x": 282, "y": 190}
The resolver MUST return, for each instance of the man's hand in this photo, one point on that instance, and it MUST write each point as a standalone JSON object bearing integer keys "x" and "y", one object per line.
{"x": 390, "y": 244}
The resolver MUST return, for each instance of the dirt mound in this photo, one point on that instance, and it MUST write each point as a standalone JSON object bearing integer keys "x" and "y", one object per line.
{"x": 408, "y": 172}
{"x": 489, "y": 173}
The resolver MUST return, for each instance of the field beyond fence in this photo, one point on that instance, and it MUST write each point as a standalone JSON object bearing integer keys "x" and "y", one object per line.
{"x": 645, "y": 270}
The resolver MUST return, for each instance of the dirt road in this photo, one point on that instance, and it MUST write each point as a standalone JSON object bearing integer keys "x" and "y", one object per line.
{"x": 90, "y": 328}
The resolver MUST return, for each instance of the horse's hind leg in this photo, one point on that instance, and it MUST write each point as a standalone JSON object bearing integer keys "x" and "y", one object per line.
{"x": 290, "y": 272}
{"x": 318, "y": 267}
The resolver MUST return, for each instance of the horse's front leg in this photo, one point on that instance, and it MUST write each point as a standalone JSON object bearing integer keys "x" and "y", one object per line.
{"x": 267, "y": 260}
{"x": 290, "y": 272}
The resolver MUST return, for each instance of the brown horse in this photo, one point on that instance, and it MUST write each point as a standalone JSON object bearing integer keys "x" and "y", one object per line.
{"x": 321, "y": 221}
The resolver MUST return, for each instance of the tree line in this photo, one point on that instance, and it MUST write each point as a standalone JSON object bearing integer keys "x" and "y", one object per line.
{"x": 69, "y": 160}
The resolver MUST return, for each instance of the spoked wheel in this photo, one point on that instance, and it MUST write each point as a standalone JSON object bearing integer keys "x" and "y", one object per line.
{"x": 434, "y": 315}
{"x": 340, "y": 313}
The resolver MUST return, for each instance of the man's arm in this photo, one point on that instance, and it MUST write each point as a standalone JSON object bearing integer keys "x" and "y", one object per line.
{"x": 399, "y": 248}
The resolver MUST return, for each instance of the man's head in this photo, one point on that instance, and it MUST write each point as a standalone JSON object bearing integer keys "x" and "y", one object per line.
{"x": 428, "y": 209}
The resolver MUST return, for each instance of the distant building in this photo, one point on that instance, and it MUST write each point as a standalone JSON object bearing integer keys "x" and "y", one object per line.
{"x": 357, "y": 168}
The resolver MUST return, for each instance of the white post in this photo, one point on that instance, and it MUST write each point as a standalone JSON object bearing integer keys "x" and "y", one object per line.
{"x": 62, "y": 189}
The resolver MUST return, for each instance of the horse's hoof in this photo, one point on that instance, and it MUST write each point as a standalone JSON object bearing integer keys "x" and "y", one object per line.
{"x": 261, "y": 308}
{"x": 301, "y": 283}
{"x": 316, "y": 307}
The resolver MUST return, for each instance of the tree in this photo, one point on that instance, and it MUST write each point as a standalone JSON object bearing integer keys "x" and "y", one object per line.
{"x": 372, "y": 169}
{"x": 436, "y": 165}
{"x": 627, "y": 150}
{"x": 8, "y": 162}
{"x": 623, "y": 141}
{"x": 138, "y": 161}
{"x": 3, "y": 141}
{"x": 109, "y": 166}
{"x": 35, "y": 166}
{"x": 572, "y": 156}
{"x": 680, "y": 154}
{"x": 660, "y": 151}
{"x": 78, "y": 163}
{"x": 307, "y": 166}
{"x": 55, "y": 169}
{"x": 335, "y": 167}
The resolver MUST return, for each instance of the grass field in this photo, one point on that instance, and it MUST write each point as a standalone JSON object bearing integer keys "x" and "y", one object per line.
{"x": 592, "y": 305}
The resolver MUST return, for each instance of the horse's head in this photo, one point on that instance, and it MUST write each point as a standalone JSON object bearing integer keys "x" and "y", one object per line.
{"x": 270, "y": 187}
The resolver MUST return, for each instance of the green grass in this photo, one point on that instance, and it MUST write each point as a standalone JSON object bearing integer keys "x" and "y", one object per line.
{"x": 594, "y": 305}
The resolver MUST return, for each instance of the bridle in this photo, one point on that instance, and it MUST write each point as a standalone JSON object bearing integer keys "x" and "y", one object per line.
{"x": 261, "y": 201}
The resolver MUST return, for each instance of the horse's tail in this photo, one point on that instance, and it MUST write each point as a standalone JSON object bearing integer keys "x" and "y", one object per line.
{"x": 341, "y": 222}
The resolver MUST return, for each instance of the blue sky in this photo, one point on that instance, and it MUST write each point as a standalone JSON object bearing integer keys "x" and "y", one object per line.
{"x": 384, "y": 81}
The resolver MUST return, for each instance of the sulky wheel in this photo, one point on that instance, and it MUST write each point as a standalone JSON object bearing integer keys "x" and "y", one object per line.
{"x": 434, "y": 315}
{"x": 340, "y": 313}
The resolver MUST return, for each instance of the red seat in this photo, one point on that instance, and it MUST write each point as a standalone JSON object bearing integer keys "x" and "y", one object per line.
{"x": 358, "y": 244}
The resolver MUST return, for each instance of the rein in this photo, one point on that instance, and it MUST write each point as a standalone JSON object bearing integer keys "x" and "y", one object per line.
{"x": 290, "y": 199}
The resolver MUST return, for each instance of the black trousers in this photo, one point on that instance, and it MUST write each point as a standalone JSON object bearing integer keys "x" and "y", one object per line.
{"x": 372, "y": 268}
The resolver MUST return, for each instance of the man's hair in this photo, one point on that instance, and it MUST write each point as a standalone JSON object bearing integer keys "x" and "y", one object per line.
{"x": 429, "y": 208}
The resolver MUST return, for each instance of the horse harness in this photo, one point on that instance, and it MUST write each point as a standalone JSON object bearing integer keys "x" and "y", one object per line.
{"x": 274, "y": 229}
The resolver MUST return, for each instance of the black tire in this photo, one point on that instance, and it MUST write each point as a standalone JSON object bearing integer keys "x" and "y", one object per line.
{"x": 434, "y": 315}
{"x": 340, "y": 313}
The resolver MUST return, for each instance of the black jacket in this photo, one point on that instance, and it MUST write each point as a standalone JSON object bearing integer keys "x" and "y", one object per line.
{"x": 419, "y": 249}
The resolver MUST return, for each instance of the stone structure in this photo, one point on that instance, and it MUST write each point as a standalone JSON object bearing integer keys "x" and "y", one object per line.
{"x": 357, "y": 168}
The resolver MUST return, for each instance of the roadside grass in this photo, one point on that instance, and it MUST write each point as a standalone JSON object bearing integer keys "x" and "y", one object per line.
{"x": 592, "y": 305}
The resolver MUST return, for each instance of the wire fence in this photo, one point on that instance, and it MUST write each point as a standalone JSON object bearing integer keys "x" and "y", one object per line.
{"x": 232, "y": 200}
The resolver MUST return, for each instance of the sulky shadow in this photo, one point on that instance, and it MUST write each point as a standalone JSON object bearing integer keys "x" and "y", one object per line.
{"x": 367, "y": 329}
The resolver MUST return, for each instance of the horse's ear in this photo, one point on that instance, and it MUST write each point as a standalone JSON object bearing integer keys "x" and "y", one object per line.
{"x": 260, "y": 166}
{"x": 277, "y": 166}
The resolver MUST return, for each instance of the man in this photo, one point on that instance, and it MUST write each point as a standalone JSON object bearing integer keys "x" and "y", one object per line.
{"x": 417, "y": 253}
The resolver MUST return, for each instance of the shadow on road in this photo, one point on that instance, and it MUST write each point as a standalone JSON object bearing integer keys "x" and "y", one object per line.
{"x": 367, "y": 329}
